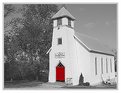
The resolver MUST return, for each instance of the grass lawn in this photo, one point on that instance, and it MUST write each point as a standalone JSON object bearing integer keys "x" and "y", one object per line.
{"x": 22, "y": 84}
{"x": 47, "y": 85}
{"x": 93, "y": 87}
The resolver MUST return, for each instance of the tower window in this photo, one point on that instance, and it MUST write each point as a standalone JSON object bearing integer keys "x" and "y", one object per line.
{"x": 69, "y": 22}
{"x": 59, "y": 22}
{"x": 59, "y": 41}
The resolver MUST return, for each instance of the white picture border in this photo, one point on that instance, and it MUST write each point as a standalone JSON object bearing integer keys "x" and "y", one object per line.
{"x": 2, "y": 90}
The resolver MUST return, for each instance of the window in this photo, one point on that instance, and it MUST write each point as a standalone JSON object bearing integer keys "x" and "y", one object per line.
{"x": 59, "y": 22}
{"x": 59, "y": 41}
{"x": 106, "y": 65}
{"x": 110, "y": 65}
{"x": 95, "y": 66}
{"x": 102, "y": 65}
{"x": 69, "y": 22}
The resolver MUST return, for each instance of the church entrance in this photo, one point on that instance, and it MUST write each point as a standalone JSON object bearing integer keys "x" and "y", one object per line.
{"x": 60, "y": 72}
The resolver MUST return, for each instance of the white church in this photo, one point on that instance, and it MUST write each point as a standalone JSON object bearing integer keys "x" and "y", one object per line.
{"x": 73, "y": 54}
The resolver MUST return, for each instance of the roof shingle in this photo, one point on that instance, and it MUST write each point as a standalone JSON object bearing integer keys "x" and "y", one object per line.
{"x": 93, "y": 44}
{"x": 63, "y": 13}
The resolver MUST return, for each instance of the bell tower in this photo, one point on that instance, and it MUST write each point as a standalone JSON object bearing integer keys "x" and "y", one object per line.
{"x": 63, "y": 27}
{"x": 63, "y": 44}
{"x": 63, "y": 18}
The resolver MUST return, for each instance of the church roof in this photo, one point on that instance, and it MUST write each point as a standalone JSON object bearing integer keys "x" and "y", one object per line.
{"x": 93, "y": 44}
{"x": 63, "y": 13}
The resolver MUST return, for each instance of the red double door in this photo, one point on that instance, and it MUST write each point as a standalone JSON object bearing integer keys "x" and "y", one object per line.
{"x": 60, "y": 73}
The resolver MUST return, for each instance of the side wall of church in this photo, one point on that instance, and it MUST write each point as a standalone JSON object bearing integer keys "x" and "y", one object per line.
{"x": 82, "y": 65}
{"x": 102, "y": 68}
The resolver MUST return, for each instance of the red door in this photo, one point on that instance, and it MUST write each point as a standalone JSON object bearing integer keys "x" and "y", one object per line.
{"x": 60, "y": 72}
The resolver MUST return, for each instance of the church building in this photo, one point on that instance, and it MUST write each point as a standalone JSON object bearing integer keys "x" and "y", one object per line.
{"x": 73, "y": 54}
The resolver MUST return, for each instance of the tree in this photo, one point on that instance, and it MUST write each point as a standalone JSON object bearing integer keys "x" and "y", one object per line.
{"x": 31, "y": 34}
{"x": 35, "y": 37}
{"x": 12, "y": 25}
{"x": 8, "y": 8}
{"x": 38, "y": 26}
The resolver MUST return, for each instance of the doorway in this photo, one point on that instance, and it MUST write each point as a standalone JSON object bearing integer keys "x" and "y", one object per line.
{"x": 60, "y": 72}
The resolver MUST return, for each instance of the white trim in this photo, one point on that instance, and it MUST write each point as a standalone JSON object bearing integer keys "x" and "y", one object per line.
{"x": 49, "y": 50}
{"x": 82, "y": 42}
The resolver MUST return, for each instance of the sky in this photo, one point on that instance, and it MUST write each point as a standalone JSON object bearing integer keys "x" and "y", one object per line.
{"x": 96, "y": 20}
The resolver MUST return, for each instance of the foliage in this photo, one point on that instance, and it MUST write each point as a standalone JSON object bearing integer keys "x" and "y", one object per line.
{"x": 8, "y": 8}
{"x": 27, "y": 40}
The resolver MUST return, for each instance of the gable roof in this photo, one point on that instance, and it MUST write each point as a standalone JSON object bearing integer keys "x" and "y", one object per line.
{"x": 93, "y": 44}
{"x": 63, "y": 13}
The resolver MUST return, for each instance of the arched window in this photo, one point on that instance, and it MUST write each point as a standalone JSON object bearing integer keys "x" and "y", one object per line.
{"x": 95, "y": 66}
{"x": 110, "y": 65}
{"x": 102, "y": 65}
{"x": 106, "y": 65}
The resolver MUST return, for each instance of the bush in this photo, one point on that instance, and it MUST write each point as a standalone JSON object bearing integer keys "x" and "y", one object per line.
{"x": 43, "y": 76}
{"x": 86, "y": 84}
{"x": 81, "y": 79}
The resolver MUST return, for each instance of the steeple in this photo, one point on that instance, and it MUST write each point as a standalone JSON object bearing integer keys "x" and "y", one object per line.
{"x": 63, "y": 18}
{"x": 63, "y": 13}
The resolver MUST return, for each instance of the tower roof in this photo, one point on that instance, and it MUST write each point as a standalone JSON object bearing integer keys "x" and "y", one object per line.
{"x": 63, "y": 13}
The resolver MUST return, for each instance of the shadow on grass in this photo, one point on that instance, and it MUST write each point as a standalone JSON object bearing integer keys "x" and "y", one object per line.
{"x": 22, "y": 84}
